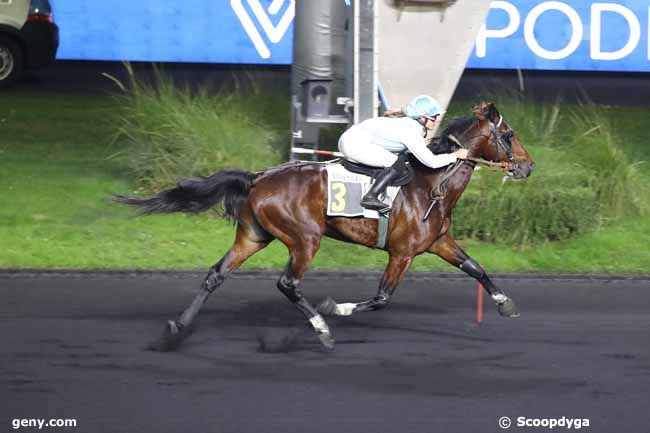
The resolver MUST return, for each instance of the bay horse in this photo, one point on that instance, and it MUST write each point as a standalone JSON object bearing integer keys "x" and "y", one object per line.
{"x": 289, "y": 203}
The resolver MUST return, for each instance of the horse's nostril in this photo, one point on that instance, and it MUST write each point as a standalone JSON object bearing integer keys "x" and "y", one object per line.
{"x": 528, "y": 167}
{"x": 524, "y": 168}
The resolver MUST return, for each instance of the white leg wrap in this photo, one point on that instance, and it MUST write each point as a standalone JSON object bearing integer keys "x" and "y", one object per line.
{"x": 345, "y": 309}
{"x": 319, "y": 324}
{"x": 499, "y": 298}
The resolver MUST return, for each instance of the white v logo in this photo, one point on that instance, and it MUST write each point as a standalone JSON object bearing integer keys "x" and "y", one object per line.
{"x": 274, "y": 33}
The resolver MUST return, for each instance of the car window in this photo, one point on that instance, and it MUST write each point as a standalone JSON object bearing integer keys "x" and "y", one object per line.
{"x": 41, "y": 7}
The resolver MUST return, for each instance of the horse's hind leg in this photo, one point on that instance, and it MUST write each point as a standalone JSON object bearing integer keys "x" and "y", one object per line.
{"x": 247, "y": 243}
{"x": 395, "y": 270}
{"x": 447, "y": 248}
{"x": 301, "y": 255}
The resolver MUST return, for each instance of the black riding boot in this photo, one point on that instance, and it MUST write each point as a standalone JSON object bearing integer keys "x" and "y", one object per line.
{"x": 371, "y": 199}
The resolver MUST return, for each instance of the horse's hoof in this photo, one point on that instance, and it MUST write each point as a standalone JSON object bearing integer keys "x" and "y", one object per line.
{"x": 327, "y": 341}
{"x": 171, "y": 338}
{"x": 508, "y": 309}
{"x": 327, "y": 307}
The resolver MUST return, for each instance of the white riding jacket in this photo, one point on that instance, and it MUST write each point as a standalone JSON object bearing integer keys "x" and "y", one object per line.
{"x": 394, "y": 135}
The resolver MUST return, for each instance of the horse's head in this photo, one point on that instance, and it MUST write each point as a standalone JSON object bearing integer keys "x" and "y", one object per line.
{"x": 496, "y": 141}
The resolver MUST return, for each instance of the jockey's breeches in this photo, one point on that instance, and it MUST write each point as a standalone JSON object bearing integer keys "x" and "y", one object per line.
{"x": 357, "y": 146}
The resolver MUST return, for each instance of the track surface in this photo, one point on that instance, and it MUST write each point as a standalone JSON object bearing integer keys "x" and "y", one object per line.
{"x": 73, "y": 348}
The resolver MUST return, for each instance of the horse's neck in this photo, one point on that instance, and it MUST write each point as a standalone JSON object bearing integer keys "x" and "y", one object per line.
{"x": 461, "y": 172}
{"x": 455, "y": 181}
{"x": 461, "y": 178}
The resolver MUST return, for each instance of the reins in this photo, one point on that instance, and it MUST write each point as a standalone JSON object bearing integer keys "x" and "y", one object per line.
{"x": 501, "y": 166}
{"x": 438, "y": 192}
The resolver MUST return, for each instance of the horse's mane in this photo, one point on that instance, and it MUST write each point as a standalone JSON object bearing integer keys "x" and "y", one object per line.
{"x": 455, "y": 127}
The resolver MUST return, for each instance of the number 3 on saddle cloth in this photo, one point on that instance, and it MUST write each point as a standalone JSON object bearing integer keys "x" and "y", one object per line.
{"x": 348, "y": 182}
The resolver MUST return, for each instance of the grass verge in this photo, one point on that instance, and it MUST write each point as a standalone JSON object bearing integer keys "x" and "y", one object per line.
{"x": 57, "y": 175}
{"x": 584, "y": 180}
{"x": 166, "y": 131}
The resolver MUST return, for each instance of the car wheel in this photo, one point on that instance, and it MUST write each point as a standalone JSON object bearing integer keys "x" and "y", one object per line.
{"x": 11, "y": 61}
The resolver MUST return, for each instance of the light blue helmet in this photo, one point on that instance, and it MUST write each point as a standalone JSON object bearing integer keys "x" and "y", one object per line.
{"x": 423, "y": 105}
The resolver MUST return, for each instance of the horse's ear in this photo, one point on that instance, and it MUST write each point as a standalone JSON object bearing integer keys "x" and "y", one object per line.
{"x": 486, "y": 111}
{"x": 493, "y": 113}
{"x": 481, "y": 111}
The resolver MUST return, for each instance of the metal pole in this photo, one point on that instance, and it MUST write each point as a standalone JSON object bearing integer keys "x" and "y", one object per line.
{"x": 366, "y": 20}
{"x": 304, "y": 151}
{"x": 356, "y": 60}
{"x": 479, "y": 303}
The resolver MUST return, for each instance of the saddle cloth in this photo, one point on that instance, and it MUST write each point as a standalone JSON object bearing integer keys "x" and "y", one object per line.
{"x": 345, "y": 190}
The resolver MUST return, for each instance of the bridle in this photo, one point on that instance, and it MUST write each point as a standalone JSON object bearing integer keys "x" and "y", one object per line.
{"x": 502, "y": 141}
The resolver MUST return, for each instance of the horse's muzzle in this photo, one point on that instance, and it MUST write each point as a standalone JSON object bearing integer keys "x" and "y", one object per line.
{"x": 522, "y": 169}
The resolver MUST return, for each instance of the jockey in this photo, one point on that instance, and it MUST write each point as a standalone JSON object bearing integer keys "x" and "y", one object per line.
{"x": 374, "y": 142}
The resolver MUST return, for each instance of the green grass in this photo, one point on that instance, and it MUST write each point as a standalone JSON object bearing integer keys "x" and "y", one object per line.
{"x": 584, "y": 179}
{"x": 57, "y": 174}
{"x": 167, "y": 130}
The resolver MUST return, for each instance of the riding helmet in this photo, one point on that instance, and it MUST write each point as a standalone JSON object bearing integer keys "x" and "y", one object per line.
{"x": 423, "y": 105}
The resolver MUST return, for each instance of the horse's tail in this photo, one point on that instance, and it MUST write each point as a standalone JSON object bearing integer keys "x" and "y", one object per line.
{"x": 227, "y": 188}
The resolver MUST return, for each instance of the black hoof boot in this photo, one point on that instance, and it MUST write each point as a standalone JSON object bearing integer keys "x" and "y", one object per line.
{"x": 327, "y": 307}
{"x": 172, "y": 337}
{"x": 508, "y": 308}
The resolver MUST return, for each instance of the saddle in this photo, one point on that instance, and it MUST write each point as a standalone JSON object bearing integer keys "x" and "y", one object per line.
{"x": 402, "y": 164}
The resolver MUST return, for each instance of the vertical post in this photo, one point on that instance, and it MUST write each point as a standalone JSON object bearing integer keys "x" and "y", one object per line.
{"x": 479, "y": 303}
{"x": 320, "y": 54}
{"x": 356, "y": 12}
{"x": 366, "y": 59}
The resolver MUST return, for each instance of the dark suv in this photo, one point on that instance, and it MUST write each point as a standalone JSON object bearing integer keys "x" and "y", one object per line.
{"x": 29, "y": 38}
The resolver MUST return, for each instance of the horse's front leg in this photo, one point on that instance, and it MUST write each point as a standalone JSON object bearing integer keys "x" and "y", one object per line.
{"x": 395, "y": 270}
{"x": 447, "y": 248}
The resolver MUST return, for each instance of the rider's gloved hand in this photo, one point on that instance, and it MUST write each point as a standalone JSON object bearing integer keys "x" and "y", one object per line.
{"x": 461, "y": 153}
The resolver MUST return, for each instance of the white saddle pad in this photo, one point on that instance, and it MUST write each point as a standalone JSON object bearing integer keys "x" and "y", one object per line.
{"x": 345, "y": 190}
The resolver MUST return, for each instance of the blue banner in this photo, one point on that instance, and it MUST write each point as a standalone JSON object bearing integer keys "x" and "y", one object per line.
{"x": 222, "y": 31}
{"x": 565, "y": 35}
{"x": 606, "y": 35}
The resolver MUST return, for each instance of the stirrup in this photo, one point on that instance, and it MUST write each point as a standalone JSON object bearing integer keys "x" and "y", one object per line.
{"x": 376, "y": 205}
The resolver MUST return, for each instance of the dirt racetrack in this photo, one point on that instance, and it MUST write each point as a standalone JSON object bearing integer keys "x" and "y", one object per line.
{"x": 72, "y": 347}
